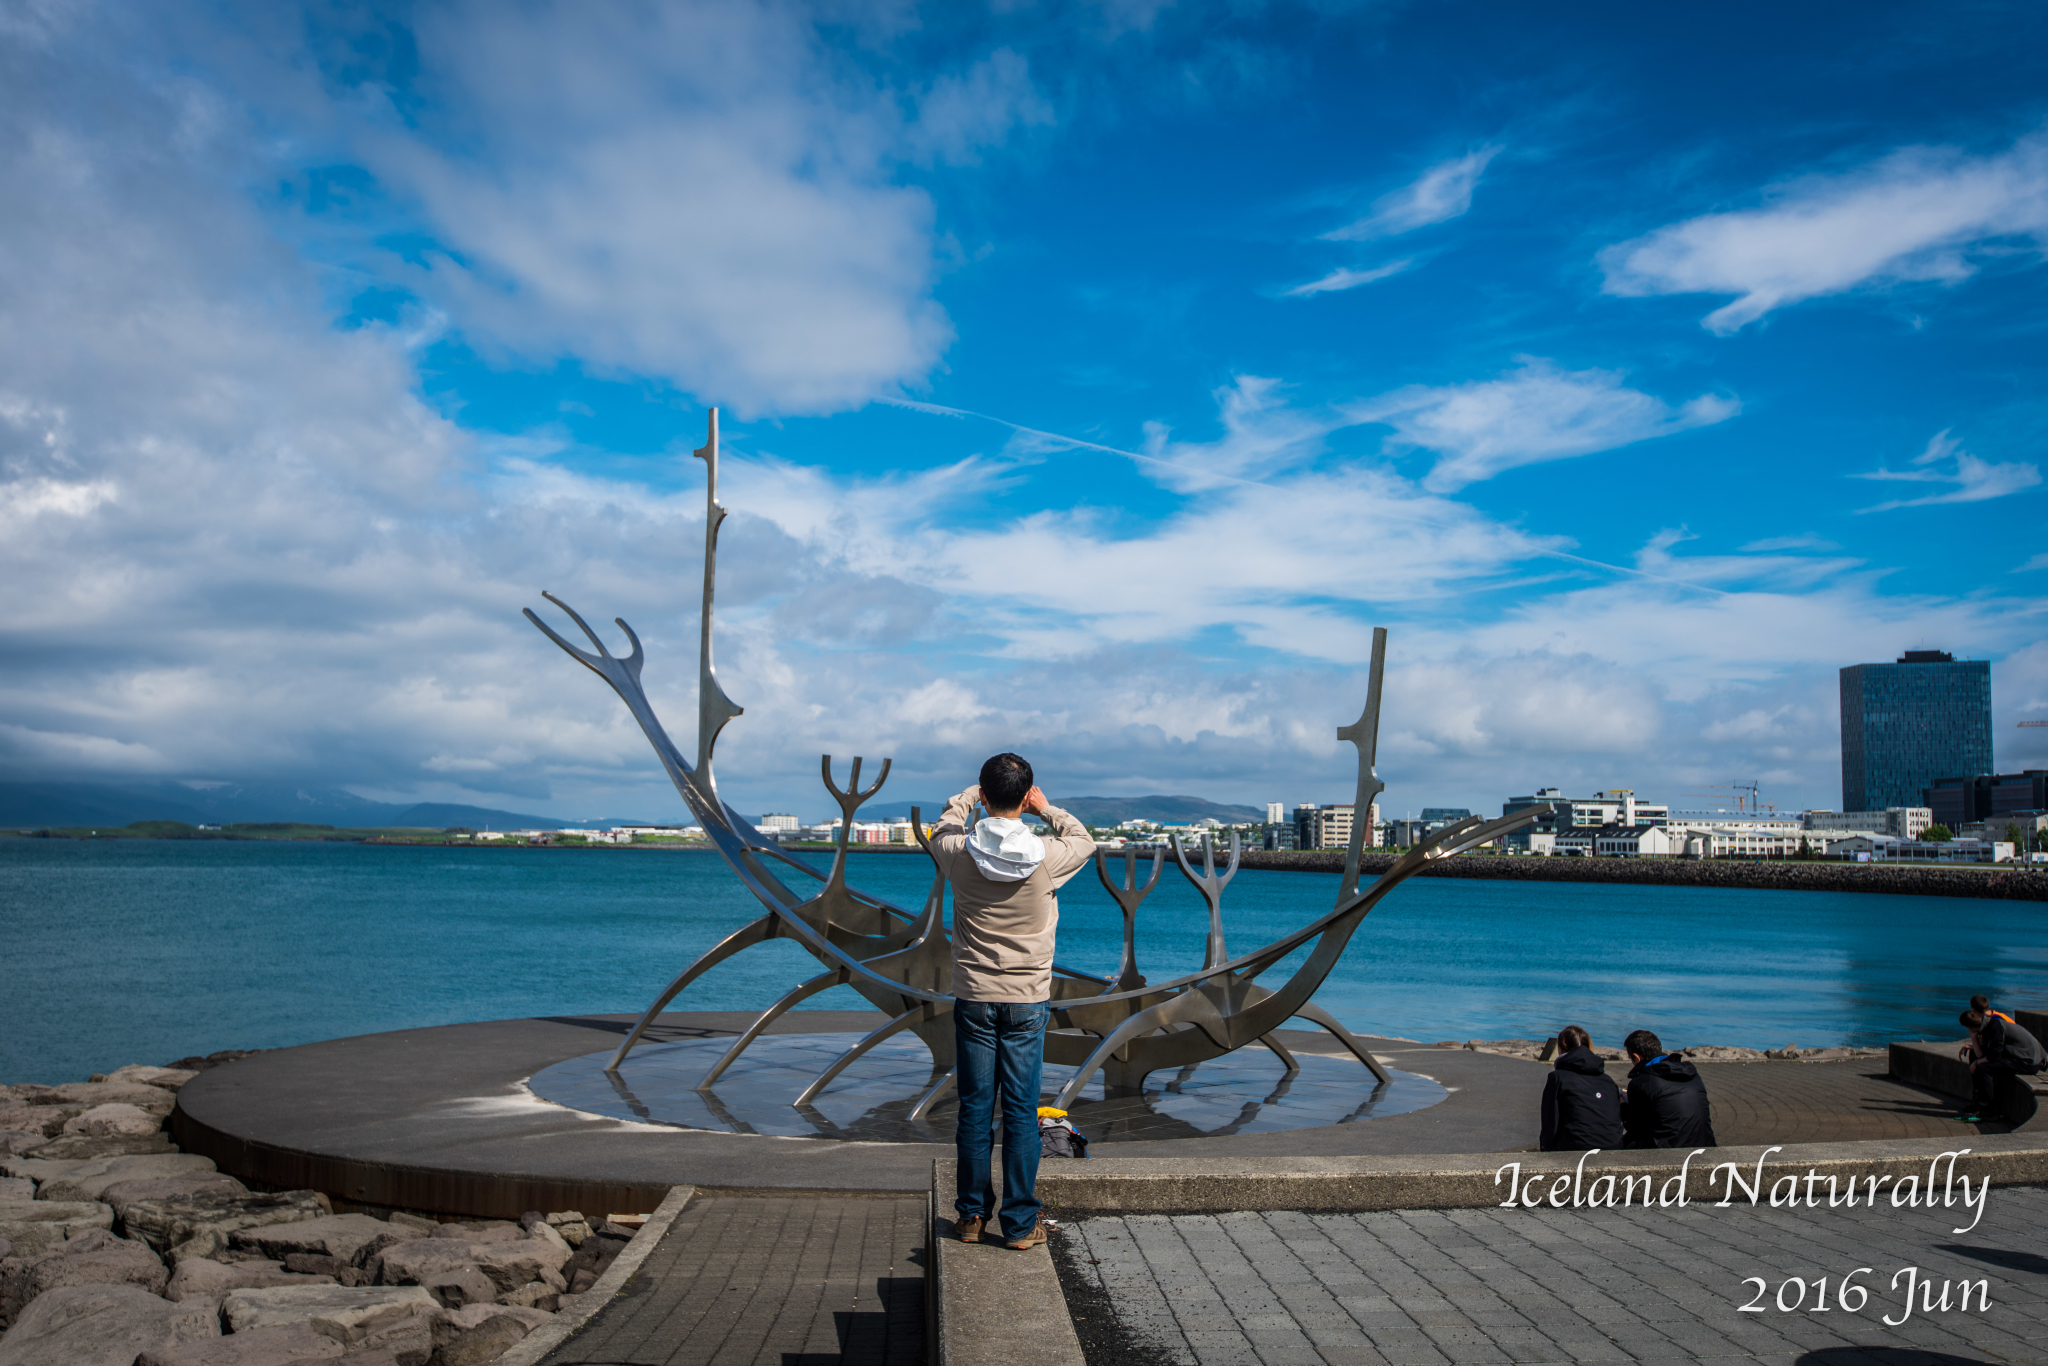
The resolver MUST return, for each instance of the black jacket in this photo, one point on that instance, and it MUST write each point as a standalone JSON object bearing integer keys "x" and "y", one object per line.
{"x": 1667, "y": 1106}
{"x": 1581, "y": 1105}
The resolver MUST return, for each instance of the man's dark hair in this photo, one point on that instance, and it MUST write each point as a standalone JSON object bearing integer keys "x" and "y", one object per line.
{"x": 1005, "y": 780}
{"x": 1643, "y": 1044}
{"x": 1981, "y": 1004}
{"x": 1571, "y": 1036}
{"x": 1972, "y": 1020}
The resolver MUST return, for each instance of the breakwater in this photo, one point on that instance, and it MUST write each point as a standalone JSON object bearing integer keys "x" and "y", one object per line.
{"x": 1889, "y": 879}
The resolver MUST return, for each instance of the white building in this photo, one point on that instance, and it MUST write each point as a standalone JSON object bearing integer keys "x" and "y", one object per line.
{"x": 1884, "y": 848}
{"x": 1900, "y": 822}
{"x": 778, "y": 820}
{"x": 1276, "y": 812}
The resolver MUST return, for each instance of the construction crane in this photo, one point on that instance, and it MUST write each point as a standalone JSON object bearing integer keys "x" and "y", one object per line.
{"x": 1748, "y": 796}
{"x": 2025, "y": 724}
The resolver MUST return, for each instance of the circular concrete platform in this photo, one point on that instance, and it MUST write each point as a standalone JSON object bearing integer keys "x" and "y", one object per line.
{"x": 1246, "y": 1092}
{"x": 442, "y": 1120}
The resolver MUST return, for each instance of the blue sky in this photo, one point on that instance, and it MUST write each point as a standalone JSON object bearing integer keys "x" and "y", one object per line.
{"x": 1095, "y": 377}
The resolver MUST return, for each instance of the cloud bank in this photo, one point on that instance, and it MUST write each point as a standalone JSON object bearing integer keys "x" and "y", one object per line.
{"x": 1920, "y": 214}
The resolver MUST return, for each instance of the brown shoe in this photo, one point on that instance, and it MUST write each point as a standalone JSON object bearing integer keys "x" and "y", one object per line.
{"x": 969, "y": 1228}
{"x": 1029, "y": 1240}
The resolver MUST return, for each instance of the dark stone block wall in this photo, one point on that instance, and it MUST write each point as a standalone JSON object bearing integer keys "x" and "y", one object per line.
{"x": 2003, "y": 883}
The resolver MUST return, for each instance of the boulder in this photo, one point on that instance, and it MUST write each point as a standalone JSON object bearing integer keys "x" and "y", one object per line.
{"x": 45, "y": 1120}
{"x": 291, "y": 1344}
{"x": 32, "y": 1225}
{"x": 122, "y": 1194}
{"x": 409, "y": 1263}
{"x": 481, "y": 1333}
{"x": 484, "y": 1231}
{"x": 90, "y": 1180}
{"x": 166, "y": 1078}
{"x": 370, "y": 1318}
{"x": 14, "y": 1142}
{"x": 546, "y": 1234}
{"x": 118, "y": 1118}
{"x": 89, "y": 1093}
{"x": 533, "y": 1295}
{"x": 456, "y": 1286}
{"x": 591, "y": 1259}
{"x": 400, "y": 1219}
{"x": 571, "y": 1224}
{"x": 197, "y": 1278}
{"x": 95, "y": 1257}
{"x": 73, "y": 1147}
{"x": 102, "y": 1325}
{"x": 176, "y": 1219}
{"x": 315, "y": 1264}
{"x": 509, "y": 1265}
{"x": 14, "y": 1189}
{"x": 349, "y": 1237}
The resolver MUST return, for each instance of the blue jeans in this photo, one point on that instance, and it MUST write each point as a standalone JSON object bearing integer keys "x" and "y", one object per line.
{"x": 999, "y": 1044}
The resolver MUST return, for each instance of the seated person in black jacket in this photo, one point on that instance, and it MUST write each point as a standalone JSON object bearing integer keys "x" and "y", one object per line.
{"x": 1581, "y": 1103}
{"x": 1998, "y": 1052}
{"x": 1667, "y": 1101}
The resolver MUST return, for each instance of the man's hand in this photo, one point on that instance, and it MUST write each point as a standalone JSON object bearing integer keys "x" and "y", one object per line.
{"x": 1035, "y": 802}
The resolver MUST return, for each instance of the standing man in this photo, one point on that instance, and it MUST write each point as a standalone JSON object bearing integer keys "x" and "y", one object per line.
{"x": 1667, "y": 1101}
{"x": 1005, "y": 881}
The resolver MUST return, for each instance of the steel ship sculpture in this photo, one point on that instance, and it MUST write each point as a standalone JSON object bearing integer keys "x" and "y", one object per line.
{"x": 900, "y": 960}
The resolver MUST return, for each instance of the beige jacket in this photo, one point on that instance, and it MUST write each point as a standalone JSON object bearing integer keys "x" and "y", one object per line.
{"x": 1003, "y": 931}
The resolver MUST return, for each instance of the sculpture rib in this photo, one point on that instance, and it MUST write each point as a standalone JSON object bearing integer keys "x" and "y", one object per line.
{"x": 822, "y": 982}
{"x": 922, "y": 1011}
{"x": 758, "y": 932}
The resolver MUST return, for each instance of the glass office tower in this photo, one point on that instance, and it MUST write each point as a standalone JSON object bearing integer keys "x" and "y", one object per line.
{"x": 1927, "y": 716}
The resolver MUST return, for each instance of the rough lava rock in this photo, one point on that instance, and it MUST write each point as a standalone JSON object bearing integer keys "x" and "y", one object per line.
{"x": 14, "y": 1188}
{"x": 90, "y": 1180}
{"x": 348, "y": 1237}
{"x": 197, "y": 1278}
{"x": 396, "y": 1319}
{"x": 95, "y": 1257}
{"x": 481, "y": 1333}
{"x": 32, "y": 1225}
{"x": 177, "y": 1219}
{"x": 482, "y": 1231}
{"x": 154, "y": 1099}
{"x": 291, "y": 1344}
{"x": 456, "y": 1286}
{"x": 168, "y": 1078}
{"x": 73, "y": 1147}
{"x": 102, "y": 1325}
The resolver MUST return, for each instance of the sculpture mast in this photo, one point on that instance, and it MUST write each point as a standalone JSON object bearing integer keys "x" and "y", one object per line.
{"x": 714, "y": 708}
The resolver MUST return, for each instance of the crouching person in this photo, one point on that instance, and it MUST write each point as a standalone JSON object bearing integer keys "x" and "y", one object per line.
{"x": 1581, "y": 1103}
{"x": 1667, "y": 1101}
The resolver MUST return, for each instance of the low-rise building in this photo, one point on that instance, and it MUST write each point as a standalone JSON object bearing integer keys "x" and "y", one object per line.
{"x": 1902, "y": 822}
{"x": 1884, "y": 848}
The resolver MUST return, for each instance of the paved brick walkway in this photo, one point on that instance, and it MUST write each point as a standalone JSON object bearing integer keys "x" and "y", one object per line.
{"x": 771, "y": 1282}
{"x": 1825, "y": 1102}
{"x": 1500, "y": 1286}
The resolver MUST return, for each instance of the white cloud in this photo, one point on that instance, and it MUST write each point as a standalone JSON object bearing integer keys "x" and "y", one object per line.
{"x": 2034, "y": 562}
{"x": 1975, "y": 480}
{"x": 960, "y": 116}
{"x": 1441, "y": 193}
{"x": 694, "y": 192}
{"x": 1536, "y": 414}
{"x": 1916, "y": 215}
{"x": 1346, "y": 278}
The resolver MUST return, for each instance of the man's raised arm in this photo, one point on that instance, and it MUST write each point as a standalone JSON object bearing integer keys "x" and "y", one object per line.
{"x": 1071, "y": 846}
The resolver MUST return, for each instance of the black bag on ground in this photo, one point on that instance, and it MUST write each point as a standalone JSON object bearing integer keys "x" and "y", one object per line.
{"x": 1058, "y": 1138}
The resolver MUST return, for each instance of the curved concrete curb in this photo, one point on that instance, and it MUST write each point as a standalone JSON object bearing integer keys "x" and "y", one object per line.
{"x": 578, "y": 1310}
{"x": 1477, "y": 1180}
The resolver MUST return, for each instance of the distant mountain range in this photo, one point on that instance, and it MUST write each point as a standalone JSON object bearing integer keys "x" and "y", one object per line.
{"x": 1098, "y": 810}
{"x": 27, "y": 806}
{"x": 1165, "y": 810}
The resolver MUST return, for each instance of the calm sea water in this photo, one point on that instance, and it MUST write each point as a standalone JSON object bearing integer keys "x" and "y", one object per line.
{"x": 144, "y": 951}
